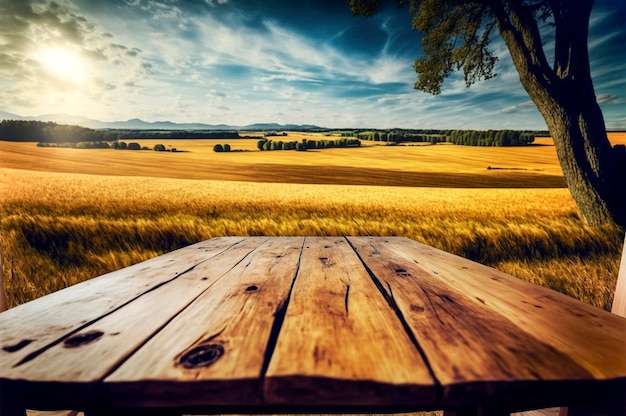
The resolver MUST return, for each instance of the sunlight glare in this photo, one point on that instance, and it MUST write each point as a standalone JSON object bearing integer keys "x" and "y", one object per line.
{"x": 64, "y": 64}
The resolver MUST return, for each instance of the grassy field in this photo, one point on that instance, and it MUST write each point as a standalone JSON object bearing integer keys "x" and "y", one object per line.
{"x": 69, "y": 214}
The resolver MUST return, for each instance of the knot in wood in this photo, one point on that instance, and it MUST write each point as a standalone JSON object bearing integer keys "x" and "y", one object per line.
{"x": 18, "y": 346}
{"x": 82, "y": 339}
{"x": 202, "y": 356}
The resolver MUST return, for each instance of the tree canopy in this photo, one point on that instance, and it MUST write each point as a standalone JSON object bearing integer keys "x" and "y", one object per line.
{"x": 457, "y": 36}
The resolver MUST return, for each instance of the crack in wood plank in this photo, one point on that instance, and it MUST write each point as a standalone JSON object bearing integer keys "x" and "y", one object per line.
{"x": 193, "y": 300}
{"x": 279, "y": 318}
{"x": 392, "y": 303}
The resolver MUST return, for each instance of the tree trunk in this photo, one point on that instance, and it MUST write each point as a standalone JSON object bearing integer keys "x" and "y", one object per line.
{"x": 593, "y": 170}
{"x": 590, "y": 166}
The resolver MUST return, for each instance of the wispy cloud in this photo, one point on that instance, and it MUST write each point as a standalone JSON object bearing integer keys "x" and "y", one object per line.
{"x": 221, "y": 61}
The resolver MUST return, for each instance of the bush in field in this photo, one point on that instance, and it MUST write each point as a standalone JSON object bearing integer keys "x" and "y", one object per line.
{"x": 227, "y": 147}
{"x": 301, "y": 147}
{"x": 92, "y": 145}
{"x": 159, "y": 148}
{"x": 218, "y": 148}
{"x": 134, "y": 146}
{"x": 120, "y": 145}
{"x": 261, "y": 144}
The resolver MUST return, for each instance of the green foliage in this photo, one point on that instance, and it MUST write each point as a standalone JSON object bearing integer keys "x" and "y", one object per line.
{"x": 218, "y": 148}
{"x": 456, "y": 35}
{"x": 306, "y": 144}
{"x": 227, "y": 147}
{"x": 175, "y": 134}
{"x": 47, "y": 132}
{"x": 159, "y": 148}
{"x": 261, "y": 143}
{"x": 134, "y": 146}
{"x": 490, "y": 137}
{"x": 92, "y": 145}
{"x": 460, "y": 137}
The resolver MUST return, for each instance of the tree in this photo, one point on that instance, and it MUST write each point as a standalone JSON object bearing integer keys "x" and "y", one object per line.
{"x": 456, "y": 35}
{"x": 218, "y": 148}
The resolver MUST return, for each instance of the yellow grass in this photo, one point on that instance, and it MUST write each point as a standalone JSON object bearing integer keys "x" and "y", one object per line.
{"x": 59, "y": 229}
{"x": 373, "y": 164}
{"x": 68, "y": 215}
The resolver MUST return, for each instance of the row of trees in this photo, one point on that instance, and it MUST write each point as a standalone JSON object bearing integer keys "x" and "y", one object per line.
{"x": 400, "y": 136}
{"x": 305, "y": 144}
{"x": 48, "y": 132}
{"x": 176, "y": 134}
{"x": 491, "y": 138}
{"x": 460, "y": 137}
{"x": 117, "y": 145}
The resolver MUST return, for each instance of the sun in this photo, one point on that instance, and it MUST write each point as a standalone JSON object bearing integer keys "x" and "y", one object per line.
{"x": 63, "y": 64}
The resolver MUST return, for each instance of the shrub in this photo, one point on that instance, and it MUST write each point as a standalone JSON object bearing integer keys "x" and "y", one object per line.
{"x": 134, "y": 146}
{"x": 227, "y": 147}
{"x": 218, "y": 148}
{"x": 159, "y": 148}
{"x": 261, "y": 144}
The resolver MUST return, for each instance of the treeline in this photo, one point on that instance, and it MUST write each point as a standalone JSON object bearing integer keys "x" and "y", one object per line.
{"x": 49, "y": 132}
{"x": 460, "y": 137}
{"x": 117, "y": 145}
{"x": 399, "y": 136}
{"x": 491, "y": 138}
{"x": 176, "y": 134}
{"x": 305, "y": 144}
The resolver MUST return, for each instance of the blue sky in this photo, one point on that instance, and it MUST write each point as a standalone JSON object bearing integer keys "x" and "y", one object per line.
{"x": 245, "y": 61}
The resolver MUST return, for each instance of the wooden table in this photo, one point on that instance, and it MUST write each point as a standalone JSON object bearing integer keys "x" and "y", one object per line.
{"x": 295, "y": 324}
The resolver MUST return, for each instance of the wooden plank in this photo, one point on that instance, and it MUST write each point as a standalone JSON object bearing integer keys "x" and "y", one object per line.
{"x": 214, "y": 352}
{"x": 619, "y": 300}
{"x": 482, "y": 329}
{"x": 340, "y": 342}
{"x": 34, "y": 326}
{"x": 559, "y": 320}
{"x": 93, "y": 352}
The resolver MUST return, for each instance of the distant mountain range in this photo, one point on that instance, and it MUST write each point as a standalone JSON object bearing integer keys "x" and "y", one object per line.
{"x": 137, "y": 124}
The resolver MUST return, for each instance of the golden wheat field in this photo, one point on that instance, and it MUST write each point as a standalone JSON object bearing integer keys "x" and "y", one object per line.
{"x": 71, "y": 214}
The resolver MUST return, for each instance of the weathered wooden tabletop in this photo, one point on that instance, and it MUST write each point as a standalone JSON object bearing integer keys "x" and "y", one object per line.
{"x": 309, "y": 324}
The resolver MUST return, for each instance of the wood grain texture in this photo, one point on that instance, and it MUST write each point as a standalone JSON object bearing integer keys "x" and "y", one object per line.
{"x": 258, "y": 323}
{"x": 233, "y": 318}
{"x": 35, "y": 326}
{"x": 92, "y": 353}
{"x": 592, "y": 337}
{"x": 482, "y": 330}
{"x": 340, "y": 342}
{"x": 619, "y": 301}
